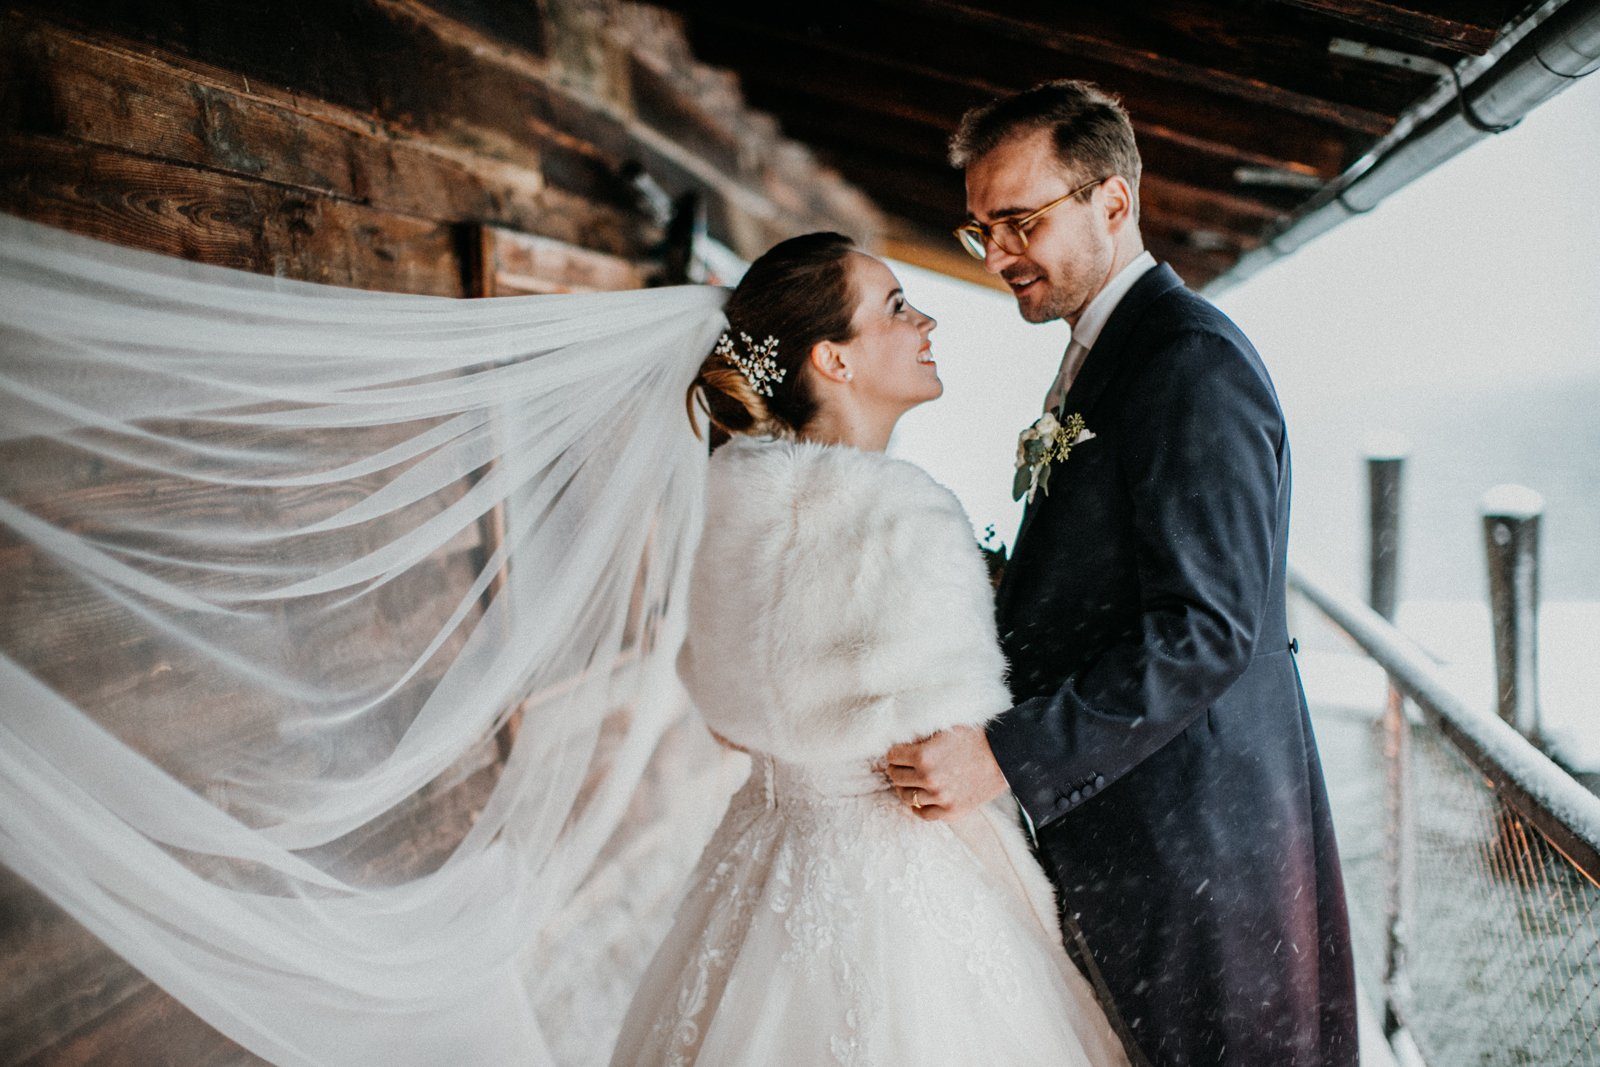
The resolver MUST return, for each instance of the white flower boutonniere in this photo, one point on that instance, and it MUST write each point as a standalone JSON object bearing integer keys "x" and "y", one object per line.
{"x": 1042, "y": 444}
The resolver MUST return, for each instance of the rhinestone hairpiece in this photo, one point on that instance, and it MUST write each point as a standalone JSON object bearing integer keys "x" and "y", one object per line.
{"x": 757, "y": 362}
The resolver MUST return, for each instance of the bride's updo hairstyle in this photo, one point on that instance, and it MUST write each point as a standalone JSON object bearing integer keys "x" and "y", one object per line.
{"x": 799, "y": 293}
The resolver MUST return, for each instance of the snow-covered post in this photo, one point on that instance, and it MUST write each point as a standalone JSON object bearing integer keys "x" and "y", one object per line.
{"x": 1386, "y": 456}
{"x": 1511, "y": 538}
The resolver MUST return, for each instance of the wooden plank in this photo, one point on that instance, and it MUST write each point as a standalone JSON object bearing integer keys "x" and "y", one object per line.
{"x": 98, "y": 93}
{"x": 519, "y": 263}
{"x": 58, "y": 976}
{"x": 1177, "y": 153}
{"x": 1236, "y": 55}
{"x": 71, "y": 1000}
{"x": 1279, "y": 63}
{"x": 145, "y": 688}
{"x": 147, "y": 1027}
{"x": 400, "y": 63}
{"x": 658, "y": 103}
{"x": 414, "y": 69}
{"x": 1167, "y": 198}
{"x": 216, "y": 218}
{"x": 397, "y": 70}
{"x": 523, "y": 23}
{"x": 905, "y": 92}
{"x": 1469, "y": 28}
{"x": 98, "y": 655}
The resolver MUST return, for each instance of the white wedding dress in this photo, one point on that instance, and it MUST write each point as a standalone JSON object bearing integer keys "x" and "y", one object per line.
{"x": 838, "y": 606}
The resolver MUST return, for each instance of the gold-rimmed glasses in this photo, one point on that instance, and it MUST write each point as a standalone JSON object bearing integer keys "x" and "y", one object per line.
{"x": 1009, "y": 235}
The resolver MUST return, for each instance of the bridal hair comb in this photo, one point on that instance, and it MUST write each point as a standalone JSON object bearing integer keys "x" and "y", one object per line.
{"x": 757, "y": 362}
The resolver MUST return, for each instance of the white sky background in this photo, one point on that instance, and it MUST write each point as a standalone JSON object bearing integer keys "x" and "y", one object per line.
{"x": 1464, "y": 312}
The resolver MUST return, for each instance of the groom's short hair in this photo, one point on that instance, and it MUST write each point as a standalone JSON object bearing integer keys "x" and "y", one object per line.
{"x": 1092, "y": 133}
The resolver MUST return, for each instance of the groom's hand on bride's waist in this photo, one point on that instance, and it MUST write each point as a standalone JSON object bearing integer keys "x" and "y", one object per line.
{"x": 947, "y": 775}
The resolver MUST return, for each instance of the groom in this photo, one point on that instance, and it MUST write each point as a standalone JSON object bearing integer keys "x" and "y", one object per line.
{"x": 1160, "y": 744}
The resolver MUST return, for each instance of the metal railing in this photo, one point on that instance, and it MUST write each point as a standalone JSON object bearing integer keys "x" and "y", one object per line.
{"x": 1472, "y": 860}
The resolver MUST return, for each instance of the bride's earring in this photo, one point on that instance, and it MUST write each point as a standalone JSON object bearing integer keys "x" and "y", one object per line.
{"x": 849, "y": 376}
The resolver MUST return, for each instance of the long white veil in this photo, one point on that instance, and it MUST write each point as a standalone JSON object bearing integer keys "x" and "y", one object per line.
{"x": 287, "y": 568}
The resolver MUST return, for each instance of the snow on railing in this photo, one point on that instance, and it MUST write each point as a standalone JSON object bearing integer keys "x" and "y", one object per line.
{"x": 1533, "y": 784}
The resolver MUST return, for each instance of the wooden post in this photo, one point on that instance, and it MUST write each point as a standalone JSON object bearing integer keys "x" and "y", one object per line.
{"x": 1385, "y": 464}
{"x": 1385, "y": 461}
{"x": 1511, "y": 541}
{"x": 479, "y": 263}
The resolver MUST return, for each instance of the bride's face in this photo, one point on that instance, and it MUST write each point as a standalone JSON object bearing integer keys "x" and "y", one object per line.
{"x": 891, "y": 355}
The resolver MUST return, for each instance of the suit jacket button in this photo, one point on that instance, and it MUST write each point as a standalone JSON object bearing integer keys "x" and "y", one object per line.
{"x": 1099, "y": 781}
{"x": 1077, "y": 795}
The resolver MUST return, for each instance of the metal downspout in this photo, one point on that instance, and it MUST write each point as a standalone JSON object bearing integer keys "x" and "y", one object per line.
{"x": 1540, "y": 59}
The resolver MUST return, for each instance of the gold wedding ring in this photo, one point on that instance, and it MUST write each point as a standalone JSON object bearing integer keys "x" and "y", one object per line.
{"x": 916, "y": 799}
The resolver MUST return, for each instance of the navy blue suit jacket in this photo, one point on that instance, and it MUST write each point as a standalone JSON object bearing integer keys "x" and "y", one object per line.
{"x": 1160, "y": 741}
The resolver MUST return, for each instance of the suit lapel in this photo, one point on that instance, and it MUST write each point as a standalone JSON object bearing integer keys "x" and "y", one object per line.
{"x": 1103, "y": 361}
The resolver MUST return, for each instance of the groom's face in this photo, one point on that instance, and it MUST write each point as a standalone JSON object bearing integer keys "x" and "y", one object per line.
{"x": 1070, "y": 249}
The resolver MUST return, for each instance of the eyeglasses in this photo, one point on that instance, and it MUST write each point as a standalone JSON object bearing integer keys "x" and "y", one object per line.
{"x": 1009, "y": 235}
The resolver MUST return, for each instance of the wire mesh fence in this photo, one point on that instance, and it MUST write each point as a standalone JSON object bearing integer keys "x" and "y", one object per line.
{"x": 1500, "y": 935}
{"x": 1502, "y": 932}
{"x": 1491, "y": 956}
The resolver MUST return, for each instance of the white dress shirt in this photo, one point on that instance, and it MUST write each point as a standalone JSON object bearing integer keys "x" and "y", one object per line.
{"x": 1091, "y": 322}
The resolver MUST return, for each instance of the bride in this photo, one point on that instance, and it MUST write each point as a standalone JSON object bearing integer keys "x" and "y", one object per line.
{"x": 258, "y": 492}
{"x": 839, "y": 606}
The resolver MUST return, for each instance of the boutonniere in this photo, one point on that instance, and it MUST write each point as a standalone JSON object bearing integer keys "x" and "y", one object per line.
{"x": 1046, "y": 442}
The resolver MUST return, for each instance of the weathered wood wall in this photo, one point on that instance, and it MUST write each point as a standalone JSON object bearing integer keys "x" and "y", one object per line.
{"x": 455, "y": 147}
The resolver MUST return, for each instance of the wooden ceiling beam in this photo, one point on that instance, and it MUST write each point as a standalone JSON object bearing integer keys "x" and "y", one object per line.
{"x": 1204, "y": 208}
{"x": 1196, "y": 266}
{"x": 845, "y": 133}
{"x": 909, "y": 90}
{"x": 1274, "y": 63}
{"x": 1281, "y": 63}
{"x": 1469, "y": 28}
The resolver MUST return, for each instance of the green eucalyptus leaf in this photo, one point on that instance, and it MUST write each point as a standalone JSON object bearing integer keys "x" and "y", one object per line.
{"x": 1019, "y": 484}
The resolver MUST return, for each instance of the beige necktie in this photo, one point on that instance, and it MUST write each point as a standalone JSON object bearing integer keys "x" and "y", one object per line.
{"x": 1071, "y": 363}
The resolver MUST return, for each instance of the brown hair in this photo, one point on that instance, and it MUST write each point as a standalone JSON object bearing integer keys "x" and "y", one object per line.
{"x": 1093, "y": 136}
{"x": 798, "y": 292}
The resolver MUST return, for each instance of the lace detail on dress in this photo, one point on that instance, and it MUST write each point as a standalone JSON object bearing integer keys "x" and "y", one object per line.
{"x": 731, "y": 905}
{"x": 824, "y": 912}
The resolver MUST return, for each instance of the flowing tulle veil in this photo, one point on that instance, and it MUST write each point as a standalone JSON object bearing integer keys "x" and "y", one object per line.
{"x": 296, "y": 556}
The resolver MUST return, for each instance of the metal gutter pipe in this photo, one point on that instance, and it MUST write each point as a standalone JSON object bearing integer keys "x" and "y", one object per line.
{"x": 1553, "y": 48}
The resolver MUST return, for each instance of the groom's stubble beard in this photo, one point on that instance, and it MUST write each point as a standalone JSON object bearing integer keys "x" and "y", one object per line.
{"x": 1066, "y": 299}
{"x": 1056, "y": 302}
{"x": 1052, "y": 306}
